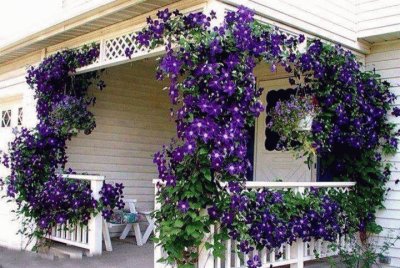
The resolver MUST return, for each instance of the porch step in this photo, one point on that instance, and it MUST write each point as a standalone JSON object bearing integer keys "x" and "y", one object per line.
{"x": 64, "y": 251}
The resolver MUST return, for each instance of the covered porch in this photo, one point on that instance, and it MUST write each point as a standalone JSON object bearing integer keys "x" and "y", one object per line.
{"x": 133, "y": 122}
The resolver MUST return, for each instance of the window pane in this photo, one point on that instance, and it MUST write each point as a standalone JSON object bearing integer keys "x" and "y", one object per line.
{"x": 6, "y": 118}
{"x": 20, "y": 116}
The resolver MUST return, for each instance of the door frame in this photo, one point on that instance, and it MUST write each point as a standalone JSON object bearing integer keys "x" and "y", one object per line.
{"x": 270, "y": 85}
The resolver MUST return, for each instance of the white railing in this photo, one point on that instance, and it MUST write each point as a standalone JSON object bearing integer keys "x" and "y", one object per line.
{"x": 83, "y": 236}
{"x": 294, "y": 255}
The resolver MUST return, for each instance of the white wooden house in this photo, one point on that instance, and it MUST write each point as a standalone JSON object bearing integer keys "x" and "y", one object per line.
{"x": 132, "y": 113}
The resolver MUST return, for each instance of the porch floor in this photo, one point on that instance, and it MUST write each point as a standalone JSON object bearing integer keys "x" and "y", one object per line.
{"x": 126, "y": 254}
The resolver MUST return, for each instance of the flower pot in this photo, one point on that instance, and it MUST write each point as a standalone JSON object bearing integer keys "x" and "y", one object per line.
{"x": 306, "y": 122}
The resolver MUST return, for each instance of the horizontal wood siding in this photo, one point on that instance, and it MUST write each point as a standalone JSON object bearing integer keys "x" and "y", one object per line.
{"x": 385, "y": 59}
{"x": 133, "y": 122}
{"x": 333, "y": 20}
{"x": 376, "y": 17}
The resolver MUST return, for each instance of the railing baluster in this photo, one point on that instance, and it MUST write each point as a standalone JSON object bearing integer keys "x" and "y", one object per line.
{"x": 312, "y": 247}
{"x": 263, "y": 256}
{"x": 287, "y": 250}
{"x": 218, "y": 263}
{"x": 58, "y": 234}
{"x": 236, "y": 256}
{"x": 67, "y": 231}
{"x": 228, "y": 255}
{"x": 73, "y": 233}
{"x": 272, "y": 256}
{"x": 84, "y": 234}
{"x": 245, "y": 258}
{"x": 78, "y": 233}
{"x": 281, "y": 252}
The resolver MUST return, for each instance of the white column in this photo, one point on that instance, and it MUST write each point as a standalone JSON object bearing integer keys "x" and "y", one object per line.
{"x": 157, "y": 249}
{"x": 96, "y": 223}
{"x": 298, "y": 248}
{"x": 29, "y": 117}
{"x": 206, "y": 257}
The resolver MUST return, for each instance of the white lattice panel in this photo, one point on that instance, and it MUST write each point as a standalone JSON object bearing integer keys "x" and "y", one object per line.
{"x": 115, "y": 48}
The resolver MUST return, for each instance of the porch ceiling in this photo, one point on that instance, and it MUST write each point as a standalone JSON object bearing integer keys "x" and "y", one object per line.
{"x": 381, "y": 37}
{"x": 103, "y": 16}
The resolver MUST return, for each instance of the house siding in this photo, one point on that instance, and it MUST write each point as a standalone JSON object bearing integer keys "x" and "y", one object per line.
{"x": 376, "y": 17}
{"x": 385, "y": 60}
{"x": 133, "y": 122}
{"x": 333, "y": 20}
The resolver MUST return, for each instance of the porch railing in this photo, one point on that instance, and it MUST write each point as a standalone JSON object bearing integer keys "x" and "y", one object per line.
{"x": 294, "y": 255}
{"x": 83, "y": 236}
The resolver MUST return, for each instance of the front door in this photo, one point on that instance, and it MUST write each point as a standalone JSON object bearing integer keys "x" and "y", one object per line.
{"x": 272, "y": 165}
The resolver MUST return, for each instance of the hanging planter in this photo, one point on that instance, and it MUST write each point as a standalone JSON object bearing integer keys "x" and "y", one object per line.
{"x": 306, "y": 122}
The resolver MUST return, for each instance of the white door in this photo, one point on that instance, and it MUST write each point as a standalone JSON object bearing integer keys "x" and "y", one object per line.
{"x": 11, "y": 116}
{"x": 276, "y": 165}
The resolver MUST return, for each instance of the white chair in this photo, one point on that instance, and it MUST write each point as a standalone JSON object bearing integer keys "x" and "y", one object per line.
{"x": 140, "y": 240}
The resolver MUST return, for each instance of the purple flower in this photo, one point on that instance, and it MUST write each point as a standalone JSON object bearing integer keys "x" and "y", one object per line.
{"x": 183, "y": 206}
{"x": 43, "y": 223}
{"x": 170, "y": 64}
{"x": 227, "y": 218}
{"x": 129, "y": 52}
{"x": 317, "y": 127}
{"x": 61, "y": 219}
{"x": 215, "y": 47}
{"x": 245, "y": 247}
{"x": 254, "y": 262}
{"x": 396, "y": 111}
{"x": 213, "y": 212}
{"x": 301, "y": 38}
{"x": 164, "y": 14}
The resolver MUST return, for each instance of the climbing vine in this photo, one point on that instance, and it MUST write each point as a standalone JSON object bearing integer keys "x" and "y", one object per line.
{"x": 216, "y": 100}
{"x": 37, "y": 157}
{"x": 213, "y": 86}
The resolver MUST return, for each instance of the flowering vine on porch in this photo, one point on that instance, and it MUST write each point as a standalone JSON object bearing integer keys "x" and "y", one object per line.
{"x": 38, "y": 156}
{"x": 216, "y": 99}
{"x": 218, "y": 102}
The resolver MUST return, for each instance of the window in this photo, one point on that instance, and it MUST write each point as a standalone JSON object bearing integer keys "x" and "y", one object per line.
{"x": 20, "y": 116}
{"x": 6, "y": 118}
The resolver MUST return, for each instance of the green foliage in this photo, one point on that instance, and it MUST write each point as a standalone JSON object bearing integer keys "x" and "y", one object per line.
{"x": 367, "y": 255}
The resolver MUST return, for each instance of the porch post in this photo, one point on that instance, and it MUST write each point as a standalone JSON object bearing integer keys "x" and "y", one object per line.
{"x": 298, "y": 250}
{"x": 157, "y": 249}
{"x": 95, "y": 224}
{"x": 206, "y": 257}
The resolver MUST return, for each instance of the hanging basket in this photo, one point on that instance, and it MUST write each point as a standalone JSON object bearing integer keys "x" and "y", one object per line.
{"x": 306, "y": 123}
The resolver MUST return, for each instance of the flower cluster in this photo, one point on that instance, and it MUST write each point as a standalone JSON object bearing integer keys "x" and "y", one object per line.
{"x": 111, "y": 197}
{"x": 70, "y": 115}
{"x": 350, "y": 131}
{"x": 213, "y": 87}
{"x": 216, "y": 99}
{"x": 271, "y": 221}
{"x": 36, "y": 156}
{"x": 354, "y": 116}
